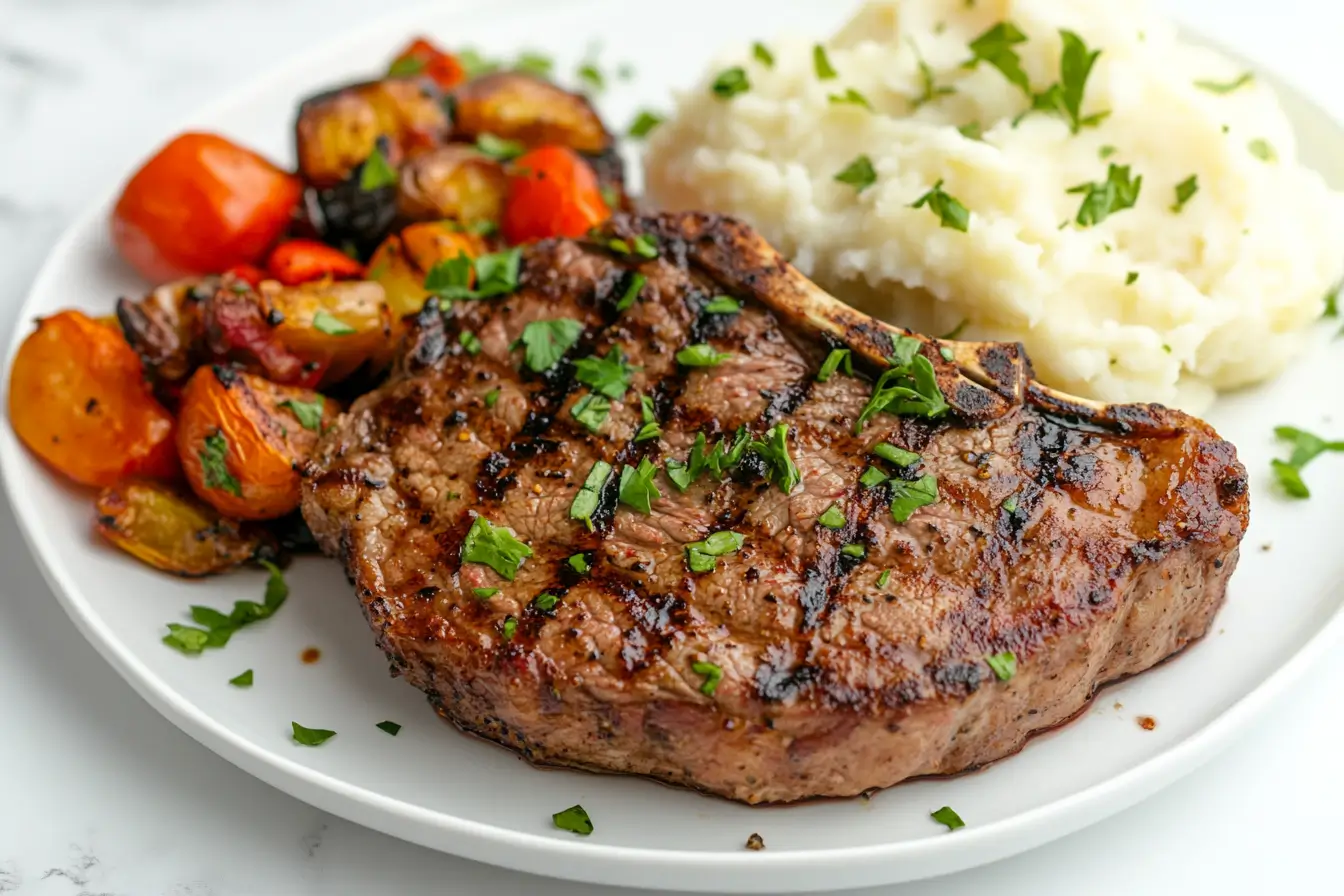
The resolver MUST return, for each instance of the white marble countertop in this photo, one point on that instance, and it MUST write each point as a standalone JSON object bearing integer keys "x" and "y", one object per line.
{"x": 99, "y": 795}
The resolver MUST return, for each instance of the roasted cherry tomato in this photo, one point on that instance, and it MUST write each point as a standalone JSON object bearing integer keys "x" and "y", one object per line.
{"x": 175, "y": 532}
{"x": 78, "y": 399}
{"x": 420, "y": 57}
{"x": 300, "y": 261}
{"x": 239, "y": 437}
{"x": 552, "y": 192}
{"x": 200, "y": 205}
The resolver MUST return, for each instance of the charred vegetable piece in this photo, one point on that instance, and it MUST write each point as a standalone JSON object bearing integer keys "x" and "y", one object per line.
{"x": 176, "y": 533}
{"x": 533, "y": 111}
{"x": 78, "y": 400}
{"x": 335, "y": 326}
{"x": 421, "y": 58}
{"x": 456, "y": 182}
{"x": 166, "y": 330}
{"x": 404, "y": 260}
{"x": 200, "y": 205}
{"x": 240, "y": 436}
{"x": 552, "y": 192}
{"x": 300, "y": 261}
{"x": 239, "y": 328}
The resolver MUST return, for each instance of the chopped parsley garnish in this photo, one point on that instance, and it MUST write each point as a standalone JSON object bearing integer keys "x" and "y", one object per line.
{"x": 1185, "y": 191}
{"x": 722, "y": 458}
{"x": 855, "y": 550}
{"x": 547, "y": 602}
{"x": 499, "y": 148}
{"x": 1131, "y": 278}
{"x": 534, "y": 63}
{"x": 722, "y": 305}
{"x": 1010, "y": 504}
{"x": 391, "y": 728}
{"x": 590, "y": 494}
{"x": 832, "y": 517}
{"x": 712, "y": 673}
{"x": 898, "y": 456}
{"x": 495, "y": 546}
{"x": 702, "y": 556}
{"x": 592, "y": 75}
{"x": 644, "y": 124}
{"x": 883, "y": 579}
{"x": 1105, "y": 152}
{"x": 1004, "y": 664}
{"x": 1306, "y": 448}
{"x": 995, "y": 47}
{"x": 509, "y": 628}
{"x": 496, "y": 275}
{"x": 774, "y": 451}
{"x": 1262, "y": 150}
{"x": 908, "y": 388}
{"x": 311, "y": 737}
{"x": 701, "y": 355}
{"x": 730, "y": 83}
{"x": 492, "y": 397}
{"x": 631, "y": 292}
{"x": 947, "y": 353}
{"x": 214, "y": 469}
{"x": 850, "y": 97}
{"x": 650, "y": 429}
{"x": 930, "y": 91}
{"x": 948, "y": 817}
{"x": 309, "y": 413}
{"x": 546, "y": 341}
{"x": 592, "y": 410}
{"x": 951, "y": 213}
{"x": 470, "y": 342}
{"x": 609, "y": 376}
{"x": 1065, "y": 97}
{"x": 833, "y": 362}
{"x": 872, "y": 478}
{"x": 821, "y": 63}
{"x": 1101, "y": 200}
{"x": 573, "y": 819}
{"x": 405, "y": 67}
{"x": 763, "y": 54}
{"x": 1226, "y": 86}
{"x": 972, "y": 130}
{"x": 1332, "y": 301}
{"x": 484, "y": 593}
{"x": 637, "y": 486}
{"x": 645, "y": 246}
{"x": 859, "y": 174}
{"x": 907, "y": 497}
{"x": 243, "y": 680}
{"x": 376, "y": 172}
{"x": 325, "y": 322}
{"x": 579, "y": 563}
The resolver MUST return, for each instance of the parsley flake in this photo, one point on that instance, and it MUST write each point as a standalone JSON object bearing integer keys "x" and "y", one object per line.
{"x": 1010, "y": 504}
{"x": 948, "y": 817}
{"x": 484, "y": 593}
{"x": 376, "y": 172}
{"x": 1306, "y": 448}
{"x": 872, "y": 478}
{"x": 495, "y": 546}
{"x": 929, "y": 91}
{"x": 492, "y": 397}
{"x": 702, "y": 556}
{"x": 1101, "y": 200}
{"x": 907, "y": 497}
{"x": 859, "y": 174}
{"x": 1131, "y": 278}
{"x": 609, "y": 376}
{"x": 712, "y": 673}
{"x": 546, "y": 341}
{"x": 995, "y": 47}
{"x": 1004, "y": 664}
{"x": 774, "y": 451}
{"x": 1262, "y": 150}
{"x": 637, "y": 486}
{"x": 763, "y": 55}
{"x": 822, "y": 63}
{"x": 856, "y": 550}
{"x": 311, "y": 737}
{"x": 908, "y": 388}
{"x": 898, "y": 456}
{"x": 309, "y": 413}
{"x": 243, "y": 680}
{"x": 470, "y": 342}
{"x": 722, "y": 305}
{"x": 951, "y": 213}
{"x": 730, "y": 83}
{"x": 650, "y": 429}
{"x": 325, "y": 322}
{"x": 573, "y": 819}
{"x": 499, "y": 148}
{"x": 701, "y": 355}
{"x": 832, "y": 517}
{"x": 850, "y": 97}
{"x": 592, "y": 411}
{"x": 631, "y": 292}
{"x": 1226, "y": 86}
{"x": 644, "y": 124}
{"x": 509, "y": 628}
{"x": 834, "y": 361}
{"x": 1065, "y": 97}
{"x": 214, "y": 467}
{"x": 1185, "y": 191}
{"x": 391, "y": 728}
{"x": 588, "y": 499}
{"x": 589, "y": 73}
{"x": 579, "y": 563}
{"x": 884, "y": 578}
{"x": 496, "y": 275}
{"x": 547, "y": 602}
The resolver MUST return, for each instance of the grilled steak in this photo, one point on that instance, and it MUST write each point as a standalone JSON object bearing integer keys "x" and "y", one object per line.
{"x": 829, "y": 650}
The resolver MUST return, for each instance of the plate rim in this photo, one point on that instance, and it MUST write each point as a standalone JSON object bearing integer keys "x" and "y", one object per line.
{"x": 539, "y": 853}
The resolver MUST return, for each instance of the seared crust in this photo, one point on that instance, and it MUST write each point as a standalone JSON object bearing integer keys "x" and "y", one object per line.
{"x": 1116, "y": 556}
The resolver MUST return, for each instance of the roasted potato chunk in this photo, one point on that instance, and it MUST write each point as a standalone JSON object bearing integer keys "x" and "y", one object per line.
{"x": 528, "y": 109}
{"x": 79, "y": 401}
{"x": 176, "y": 533}
{"x": 404, "y": 260}
{"x": 336, "y": 326}
{"x": 336, "y": 132}
{"x": 456, "y": 182}
{"x": 240, "y": 437}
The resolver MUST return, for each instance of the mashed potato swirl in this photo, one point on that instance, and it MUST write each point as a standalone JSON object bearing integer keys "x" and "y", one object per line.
{"x": 1166, "y": 301}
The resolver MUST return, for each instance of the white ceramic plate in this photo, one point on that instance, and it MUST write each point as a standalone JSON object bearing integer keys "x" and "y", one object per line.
{"x": 441, "y": 789}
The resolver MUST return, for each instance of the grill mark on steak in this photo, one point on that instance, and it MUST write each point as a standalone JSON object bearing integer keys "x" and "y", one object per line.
{"x": 1116, "y": 554}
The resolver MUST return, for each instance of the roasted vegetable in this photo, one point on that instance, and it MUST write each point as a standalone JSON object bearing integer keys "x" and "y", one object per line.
{"x": 165, "y": 329}
{"x": 201, "y": 205}
{"x": 335, "y": 326}
{"x": 301, "y": 261}
{"x": 404, "y": 260}
{"x": 238, "y": 327}
{"x": 533, "y": 111}
{"x": 240, "y": 436}
{"x": 456, "y": 182}
{"x": 338, "y": 131}
{"x": 78, "y": 400}
{"x": 174, "y": 532}
{"x": 552, "y": 192}
{"x": 422, "y": 58}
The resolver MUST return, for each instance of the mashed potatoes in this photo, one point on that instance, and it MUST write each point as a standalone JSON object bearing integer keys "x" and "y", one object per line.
{"x": 1168, "y": 300}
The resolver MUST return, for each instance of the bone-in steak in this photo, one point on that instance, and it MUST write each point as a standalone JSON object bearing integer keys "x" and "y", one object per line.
{"x": 837, "y": 649}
